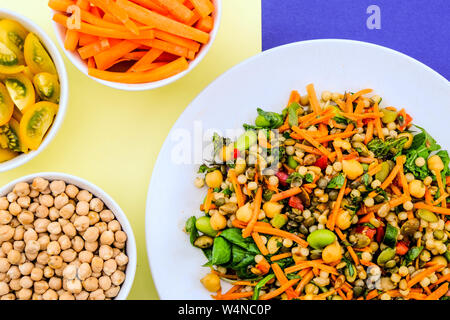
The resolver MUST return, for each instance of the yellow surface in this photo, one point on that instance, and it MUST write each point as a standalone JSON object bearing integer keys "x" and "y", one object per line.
{"x": 112, "y": 137}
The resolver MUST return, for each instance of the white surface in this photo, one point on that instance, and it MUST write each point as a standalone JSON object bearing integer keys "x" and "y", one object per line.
{"x": 64, "y": 95}
{"x": 266, "y": 81}
{"x": 109, "y": 203}
{"x": 75, "y": 58}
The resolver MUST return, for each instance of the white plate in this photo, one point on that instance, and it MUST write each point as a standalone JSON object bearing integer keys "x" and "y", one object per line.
{"x": 265, "y": 81}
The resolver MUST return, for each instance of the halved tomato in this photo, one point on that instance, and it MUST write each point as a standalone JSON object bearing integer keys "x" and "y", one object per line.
{"x": 35, "y": 122}
{"x": 21, "y": 90}
{"x": 6, "y": 105}
{"x": 36, "y": 57}
{"x": 13, "y": 35}
{"x": 47, "y": 86}
{"x": 9, "y": 62}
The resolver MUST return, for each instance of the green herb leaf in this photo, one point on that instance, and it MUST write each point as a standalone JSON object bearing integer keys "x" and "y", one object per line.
{"x": 221, "y": 252}
{"x": 292, "y": 114}
{"x": 337, "y": 181}
{"x": 191, "y": 229}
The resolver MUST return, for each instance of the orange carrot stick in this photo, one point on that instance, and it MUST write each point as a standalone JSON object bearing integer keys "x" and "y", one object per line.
{"x": 281, "y": 256}
{"x": 187, "y": 43}
{"x": 281, "y": 233}
{"x": 205, "y": 24}
{"x": 309, "y": 264}
{"x": 94, "y": 48}
{"x": 281, "y": 277}
{"x": 60, "y": 5}
{"x": 166, "y": 46}
{"x": 423, "y": 274}
{"x": 152, "y": 5}
{"x": 305, "y": 280}
{"x": 105, "y": 59}
{"x": 161, "y": 22}
{"x": 203, "y": 7}
{"x": 109, "y": 6}
{"x": 353, "y": 255}
{"x": 86, "y": 39}
{"x": 369, "y": 132}
{"x": 234, "y": 296}
{"x": 313, "y": 98}
{"x": 279, "y": 291}
{"x": 256, "y": 210}
{"x": 259, "y": 243}
{"x": 180, "y": 11}
{"x": 237, "y": 188}
{"x": 146, "y": 60}
{"x": 378, "y": 122}
{"x": 208, "y": 200}
{"x": 335, "y": 136}
{"x": 286, "y": 194}
{"x": 422, "y": 205}
{"x": 331, "y": 221}
{"x": 159, "y": 73}
{"x": 71, "y": 40}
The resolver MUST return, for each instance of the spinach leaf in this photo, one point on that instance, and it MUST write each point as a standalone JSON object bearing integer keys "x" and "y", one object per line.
{"x": 240, "y": 258}
{"x": 286, "y": 262}
{"x": 309, "y": 178}
{"x": 204, "y": 168}
{"x": 292, "y": 114}
{"x": 443, "y": 154}
{"x": 208, "y": 255}
{"x": 336, "y": 182}
{"x": 271, "y": 120}
{"x": 234, "y": 235}
{"x": 191, "y": 229}
{"x": 260, "y": 285}
{"x": 221, "y": 252}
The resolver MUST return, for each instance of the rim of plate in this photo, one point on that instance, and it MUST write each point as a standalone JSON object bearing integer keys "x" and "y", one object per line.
{"x": 131, "y": 250}
{"x": 192, "y": 108}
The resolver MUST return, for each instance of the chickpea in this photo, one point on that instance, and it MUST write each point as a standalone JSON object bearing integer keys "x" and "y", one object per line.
{"x": 84, "y": 195}
{"x": 218, "y": 221}
{"x": 106, "y": 215}
{"x": 4, "y": 203}
{"x": 97, "y": 295}
{"x": 211, "y": 282}
{"x": 104, "y": 282}
{"x": 107, "y": 237}
{"x": 101, "y": 226}
{"x": 352, "y": 168}
{"x": 6, "y": 233}
{"x": 14, "y": 257}
{"x": 11, "y": 197}
{"x": 13, "y": 273}
{"x": 40, "y": 287}
{"x": 121, "y": 259}
{"x": 114, "y": 226}
{"x": 46, "y": 200}
{"x": 94, "y": 217}
{"x": 109, "y": 267}
{"x": 82, "y": 208}
{"x": 26, "y": 217}
{"x": 26, "y": 282}
{"x": 24, "y": 294}
{"x": 5, "y": 217}
{"x": 22, "y": 189}
{"x": 68, "y": 255}
{"x": 417, "y": 188}
{"x": 112, "y": 292}
{"x": 40, "y": 225}
{"x": 66, "y": 296}
{"x": 96, "y": 205}
{"x": 69, "y": 230}
{"x": 40, "y": 184}
{"x": 214, "y": 179}
{"x": 24, "y": 202}
{"x": 90, "y": 284}
{"x": 15, "y": 284}
{"x": 61, "y": 200}
{"x": 71, "y": 191}
{"x": 244, "y": 213}
{"x": 19, "y": 233}
{"x": 105, "y": 252}
{"x": 6, "y": 247}
{"x": 55, "y": 283}
{"x": 43, "y": 241}
{"x": 332, "y": 253}
{"x": 57, "y": 187}
{"x": 67, "y": 211}
{"x": 435, "y": 163}
{"x": 55, "y": 262}
{"x": 9, "y": 296}
{"x": 36, "y": 274}
{"x": 91, "y": 234}
{"x": 32, "y": 247}
{"x": 54, "y": 228}
{"x": 26, "y": 268}
{"x": 77, "y": 243}
{"x": 81, "y": 223}
{"x": 30, "y": 235}
{"x": 344, "y": 220}
{"x": 118, "y": 277}
{"x": 42, "y": 211}
{"x": 199, "y": 182}
{"x": 97, "y": 264}
{"x": 43, "y": 257}
{"x": 14, "y": 208}
{"x": 84, "y": 271}
{"x": 53, "y": 248}
{"x": 4, "y": 288}
{"x": 19, "y": 245}
{"x": 4, "y": 265}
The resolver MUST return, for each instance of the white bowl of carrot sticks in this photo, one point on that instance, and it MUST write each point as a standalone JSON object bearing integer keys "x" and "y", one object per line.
{"x": 135, "y": 44}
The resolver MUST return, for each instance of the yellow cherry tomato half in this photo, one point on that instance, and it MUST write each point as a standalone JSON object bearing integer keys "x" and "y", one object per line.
{"x": 47, "y": 86}
{"x": 35, "y": 122}
{"x": 36, "y": 57}
{"x": 21, "y": 90}
{"x": 9, "y": 62}
{"x": 6, "y": 105}
{"x": 13, "y": 35}
{"x": 6, "y": 154}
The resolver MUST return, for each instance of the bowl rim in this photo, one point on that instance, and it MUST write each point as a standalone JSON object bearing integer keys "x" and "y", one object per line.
{"x": 81, "y": 65}
{"x": 110, "y": 203}
{"x": 194, "y": 107}
{"x": 63, "y": 80}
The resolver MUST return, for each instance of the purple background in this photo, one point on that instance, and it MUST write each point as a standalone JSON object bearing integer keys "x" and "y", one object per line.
{"x": 418, "y": 28}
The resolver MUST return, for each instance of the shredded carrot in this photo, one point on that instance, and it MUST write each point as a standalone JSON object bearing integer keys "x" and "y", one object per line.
{"x": 281, "y": 256}
{"x": 353, "y": 255}
{"x": 438, "y": 293}
{"x": 324, "y": 295}
{"x": 307, "y": 264}
{"x": 305, "y": 280}
{"x": 259, "y": 243}
{"x": 315, "y": 143}
{"x": 277, "y": 232}
{"x": 286, "y": 194}
{"x": 256, "y": 210}
{"x": 340, "y": 234}
{"x": 421, "y": 205}
{"x": 308, "y": 149}
{"x": 378, "y": 122}
{"x": 234, "y": 296}
{"x": 335, "y": 136}
{"x": 279, "y": 291}
{"x": 313, "y": 98}
{"x": 331, "y": 221}
{"x": 388, "y": 179}
{"x": 281, "y": 277}
{"x": 369, "y": 132}
{"x": 423, "y": 274}
{"x": 440, "y": 280}
{"x": 237, "y": 188}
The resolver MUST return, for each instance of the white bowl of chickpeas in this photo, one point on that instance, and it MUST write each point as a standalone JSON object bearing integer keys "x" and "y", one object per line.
{"x": 63, "y": 238}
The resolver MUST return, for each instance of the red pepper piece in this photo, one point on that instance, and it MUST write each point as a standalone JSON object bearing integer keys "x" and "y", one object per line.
{"x": 295, "y": 202}
{"x": 322, "y": 162}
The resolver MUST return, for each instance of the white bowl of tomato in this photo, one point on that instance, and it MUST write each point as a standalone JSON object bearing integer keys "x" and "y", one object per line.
{"x": 33, "y": 90}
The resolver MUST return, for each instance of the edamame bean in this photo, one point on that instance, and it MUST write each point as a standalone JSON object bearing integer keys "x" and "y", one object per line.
{"x": 291, "y": 162}
{"x": 321, "y": 238}
{"x": 203, "y": 225}
{"x": 388, "y": 115}
{"x": 247, "y": 139}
